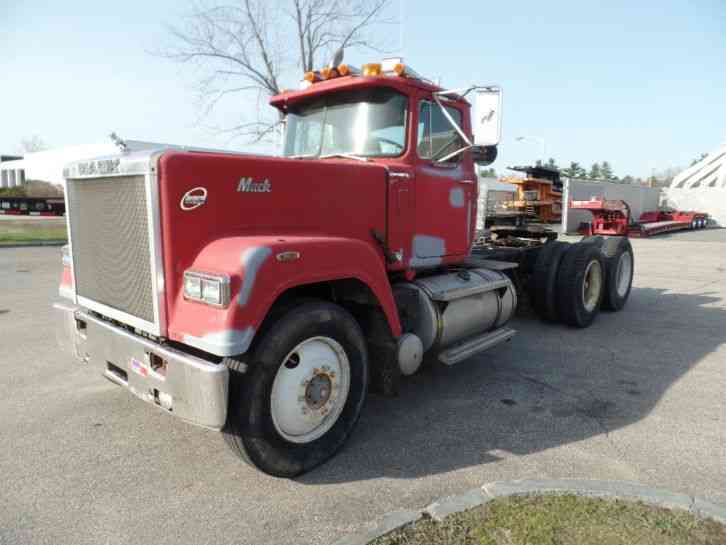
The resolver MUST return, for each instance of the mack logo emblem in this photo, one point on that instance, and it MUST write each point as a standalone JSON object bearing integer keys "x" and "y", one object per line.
{"x": 194, "y": 198}
{"x": 94, "y": 168}
{"x": 248, "y": 185}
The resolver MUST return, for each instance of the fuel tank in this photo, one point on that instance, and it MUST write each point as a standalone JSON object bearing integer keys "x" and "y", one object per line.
{"x": 444, "y": 309}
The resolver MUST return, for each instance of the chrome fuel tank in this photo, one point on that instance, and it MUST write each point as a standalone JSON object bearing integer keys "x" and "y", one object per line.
{"x": 447, "y": 308}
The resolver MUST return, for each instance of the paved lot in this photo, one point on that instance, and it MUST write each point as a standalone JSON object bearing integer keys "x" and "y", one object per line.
{"x": 640, "y": 396}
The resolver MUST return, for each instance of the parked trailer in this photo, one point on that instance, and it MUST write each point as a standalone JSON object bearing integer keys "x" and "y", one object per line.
{"x": 32, "y": 206}
{"x": 609, "y": 217}
{"x": 657, "y": 223}
{"x": 612, "y": 217}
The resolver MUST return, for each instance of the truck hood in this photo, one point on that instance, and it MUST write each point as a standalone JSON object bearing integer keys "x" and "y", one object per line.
{"x": 205, "y": 197}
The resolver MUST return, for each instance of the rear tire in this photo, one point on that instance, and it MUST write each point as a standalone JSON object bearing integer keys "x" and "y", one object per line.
{"x": 303, "y": 391}
{"x": 619, "y": 276}
{"x": 543, "y": 289}
{"x": 580, "y": 285}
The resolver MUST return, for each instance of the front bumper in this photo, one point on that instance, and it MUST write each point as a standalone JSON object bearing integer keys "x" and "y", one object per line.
{"x": 191, "y": 388}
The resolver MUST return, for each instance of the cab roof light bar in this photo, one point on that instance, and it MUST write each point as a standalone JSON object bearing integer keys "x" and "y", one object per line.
{"x": 393, "y": 66}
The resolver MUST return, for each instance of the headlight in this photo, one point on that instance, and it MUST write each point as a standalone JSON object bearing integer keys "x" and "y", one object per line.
{"x": 192, "y": 286}
{"x": 212, "y": 291}
{"x": 206, "y": 288}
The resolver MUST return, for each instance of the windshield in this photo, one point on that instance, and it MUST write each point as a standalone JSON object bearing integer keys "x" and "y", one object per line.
{"x": 366, "y": 123}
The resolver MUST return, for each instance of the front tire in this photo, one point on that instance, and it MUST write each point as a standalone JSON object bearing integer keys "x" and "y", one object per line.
{"x": 303, "y": 392}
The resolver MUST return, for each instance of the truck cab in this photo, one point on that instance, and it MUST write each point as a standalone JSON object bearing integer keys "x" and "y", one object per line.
{"x": 395, "y": 122}
{"x": 264, "y": 296}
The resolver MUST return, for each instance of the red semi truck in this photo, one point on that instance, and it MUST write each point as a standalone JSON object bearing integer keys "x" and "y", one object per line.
{"x": 264, "y": 296}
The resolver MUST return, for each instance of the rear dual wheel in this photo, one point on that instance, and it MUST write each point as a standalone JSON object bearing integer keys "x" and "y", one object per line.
{"x": 302, "y": 393}
{"x": 543, "y": 287}
{"x": 580, "y": 284}
{"x": 619, "y": 264}
{"x": 571, "y": 282}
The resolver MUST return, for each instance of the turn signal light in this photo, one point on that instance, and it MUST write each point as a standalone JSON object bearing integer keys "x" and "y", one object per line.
{"x": 344, "y": 70}
{"x": 328, "y": 73}
{"x": 372, "y": 69}
{"x": 399, "y": 69}
{"x": 310, "y": 77}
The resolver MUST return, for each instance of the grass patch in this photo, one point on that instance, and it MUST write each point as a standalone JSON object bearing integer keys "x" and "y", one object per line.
{"x": 19, "y": 231}
{"x": 561, "y": 520}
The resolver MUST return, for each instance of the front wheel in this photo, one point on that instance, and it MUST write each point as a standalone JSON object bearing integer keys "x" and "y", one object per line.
{"x": 303, "y": 392}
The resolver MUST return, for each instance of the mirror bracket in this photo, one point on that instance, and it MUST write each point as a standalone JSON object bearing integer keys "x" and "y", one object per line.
{"x": 488, "y": 144}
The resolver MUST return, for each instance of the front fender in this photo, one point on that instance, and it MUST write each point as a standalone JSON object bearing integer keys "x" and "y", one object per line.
{"x": 259, "y": 273}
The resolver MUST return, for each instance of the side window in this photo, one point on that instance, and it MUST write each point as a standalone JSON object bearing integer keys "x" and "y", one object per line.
{"x": 436, "y": 137}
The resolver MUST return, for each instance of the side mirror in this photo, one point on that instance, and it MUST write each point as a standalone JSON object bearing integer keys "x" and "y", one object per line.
{"x": 484, "y": 155}
{"x": 487, "y": 122}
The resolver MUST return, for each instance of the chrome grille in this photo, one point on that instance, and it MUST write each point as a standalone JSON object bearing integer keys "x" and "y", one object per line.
{"x": 110, "y": 242}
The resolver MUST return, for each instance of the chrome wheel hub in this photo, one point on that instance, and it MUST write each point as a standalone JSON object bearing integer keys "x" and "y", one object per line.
{"x": 624, "y": 271}
{"x": 318, "y": 391}
{"x": 310, "y": 390}
{"x": 592, "y": 286}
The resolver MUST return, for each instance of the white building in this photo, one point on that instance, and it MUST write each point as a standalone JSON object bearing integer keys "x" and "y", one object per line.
{"x": 47, "y": 166}
{"x": 702, "y": 187}
{"x": 10, "y": 177}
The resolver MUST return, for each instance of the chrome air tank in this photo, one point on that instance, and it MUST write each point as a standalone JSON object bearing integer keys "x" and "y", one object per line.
{"x": 447, "y": 308}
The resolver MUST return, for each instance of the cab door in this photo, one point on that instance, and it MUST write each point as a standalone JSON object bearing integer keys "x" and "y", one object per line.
{"x": 445, "y": 191}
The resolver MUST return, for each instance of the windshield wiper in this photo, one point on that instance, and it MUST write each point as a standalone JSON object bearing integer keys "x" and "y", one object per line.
{"x": 344, "y": 156}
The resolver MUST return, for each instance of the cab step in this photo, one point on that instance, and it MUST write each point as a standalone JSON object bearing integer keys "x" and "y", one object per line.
{"x": 473, "y": 345}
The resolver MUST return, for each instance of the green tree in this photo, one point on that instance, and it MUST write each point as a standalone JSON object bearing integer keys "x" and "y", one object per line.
{"x": 18, "y": 191}
{"x": 575, "y": 170}
{"x": 606, "y": 172}
{"x": 551, "y": 163}
{"x": 488, "y": 173}
{"x": 627, "y": 179}
{"x": 595, "y": 172}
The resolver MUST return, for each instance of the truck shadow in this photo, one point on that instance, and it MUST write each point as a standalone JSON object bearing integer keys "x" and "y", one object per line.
{"x": 551, "y": 386}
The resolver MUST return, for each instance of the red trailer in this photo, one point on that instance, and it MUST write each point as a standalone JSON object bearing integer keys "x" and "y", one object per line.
{"x": 608, "y": 217}
{"x": 613, "y": 217}
{"x": 659, "y": 222}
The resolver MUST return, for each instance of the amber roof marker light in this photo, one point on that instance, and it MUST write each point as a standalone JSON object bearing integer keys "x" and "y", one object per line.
{"x": 393, "y": 66}
{"x": 372, "y": 69}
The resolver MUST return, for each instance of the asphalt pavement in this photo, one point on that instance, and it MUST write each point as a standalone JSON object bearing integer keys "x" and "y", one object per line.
{"x": 639, "y": 396}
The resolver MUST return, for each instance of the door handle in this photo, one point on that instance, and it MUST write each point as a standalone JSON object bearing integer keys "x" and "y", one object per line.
{"x": 467, "y": 182}
{"x": 402, "y": 175}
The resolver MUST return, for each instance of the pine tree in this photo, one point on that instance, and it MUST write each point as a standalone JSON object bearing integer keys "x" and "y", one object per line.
{"x": 606, "y": 172}
{"x": 595, "y": 172}
{"x": 574, "y": 171}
